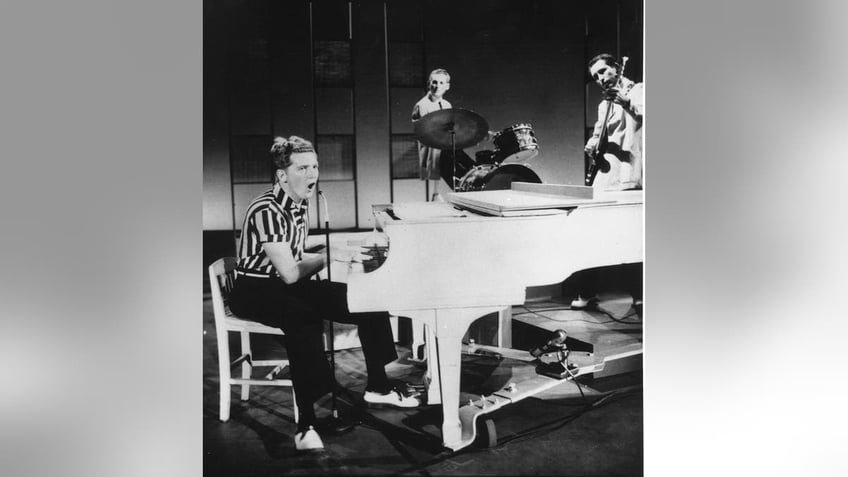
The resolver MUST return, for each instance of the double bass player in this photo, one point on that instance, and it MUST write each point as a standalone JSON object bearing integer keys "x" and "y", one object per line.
{"x": 616, "y": 142}
{"x": 616, "y": 151}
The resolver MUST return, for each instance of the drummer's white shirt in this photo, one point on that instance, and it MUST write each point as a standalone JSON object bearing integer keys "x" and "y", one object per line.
{"x": 428, "y": 157}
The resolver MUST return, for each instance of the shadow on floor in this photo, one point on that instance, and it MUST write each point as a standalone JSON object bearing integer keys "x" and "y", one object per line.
{"x": 559, "y": 434}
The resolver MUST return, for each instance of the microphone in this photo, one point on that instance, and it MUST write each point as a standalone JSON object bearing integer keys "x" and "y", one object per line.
{"x": 553, "y": 344}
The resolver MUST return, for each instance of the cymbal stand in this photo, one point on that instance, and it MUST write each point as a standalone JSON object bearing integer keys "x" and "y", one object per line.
{"x": 432, "y": 184}
{"x": 453, "y": 157}
{"x": 435, "y": 182}
{"x": 453, "y": 163}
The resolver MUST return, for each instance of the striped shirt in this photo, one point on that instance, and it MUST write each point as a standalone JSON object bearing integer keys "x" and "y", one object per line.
{"x": 272, "y": 217}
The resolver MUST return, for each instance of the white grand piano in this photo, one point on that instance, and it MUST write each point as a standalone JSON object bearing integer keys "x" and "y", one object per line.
{"x": 450, "y": 263}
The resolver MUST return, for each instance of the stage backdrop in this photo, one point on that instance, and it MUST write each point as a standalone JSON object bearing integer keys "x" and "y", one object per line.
{"x": 346, "y": 75}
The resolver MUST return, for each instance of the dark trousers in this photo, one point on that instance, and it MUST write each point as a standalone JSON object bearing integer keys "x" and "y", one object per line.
{"x": 299, "y": 310}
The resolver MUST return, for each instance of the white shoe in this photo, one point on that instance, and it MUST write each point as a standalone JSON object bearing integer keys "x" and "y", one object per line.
{"x": 391, "y": 398}
{"x": 308, "y": 440}
{"x": 580, "y": 302}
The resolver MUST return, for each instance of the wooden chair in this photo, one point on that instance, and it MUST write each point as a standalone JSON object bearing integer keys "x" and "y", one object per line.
{"x": 221, "y": 279}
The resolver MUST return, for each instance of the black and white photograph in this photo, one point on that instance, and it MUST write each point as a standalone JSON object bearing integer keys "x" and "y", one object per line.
{"x": 423, "y": 232}
{"x": 421, "y": 237}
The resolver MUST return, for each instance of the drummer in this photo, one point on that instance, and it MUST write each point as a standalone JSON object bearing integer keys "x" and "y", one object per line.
{"x": 428, "y": 157}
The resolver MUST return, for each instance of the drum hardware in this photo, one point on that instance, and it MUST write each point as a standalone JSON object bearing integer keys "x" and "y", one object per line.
{"x": 496, "y": 177}
{"x": 453, "y": 168}
{"x": 498, "y": 169}
{"x": 485, "y": 157}
{"x": 516, "y": 144}
{"x": 451, "y": 129}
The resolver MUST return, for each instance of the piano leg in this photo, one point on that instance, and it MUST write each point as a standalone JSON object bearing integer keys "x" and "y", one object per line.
{"x": 450, "y": 361}
{"x": 422, "y": 324}
{"x": 434, "y": 387}
{"x": 505, "y": 327}
{"x": 445, "y": 361}
{"x": 424, "y": 337}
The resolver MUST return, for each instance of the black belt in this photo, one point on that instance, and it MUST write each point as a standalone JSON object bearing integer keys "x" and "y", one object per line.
{"x": 254, "y": 274}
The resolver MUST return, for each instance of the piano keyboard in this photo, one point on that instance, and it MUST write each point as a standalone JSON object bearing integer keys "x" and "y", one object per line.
{"x": 378, "y": 255}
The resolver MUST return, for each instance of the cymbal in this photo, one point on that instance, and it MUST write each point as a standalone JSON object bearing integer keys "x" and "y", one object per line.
{"x": 435, "y": 129}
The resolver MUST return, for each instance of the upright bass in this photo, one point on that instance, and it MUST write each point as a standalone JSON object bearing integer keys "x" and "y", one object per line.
{"x": 597, "y": 154}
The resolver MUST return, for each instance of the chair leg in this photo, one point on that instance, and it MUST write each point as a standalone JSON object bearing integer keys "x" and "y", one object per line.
{"x": 224, "y": 375}
{"x": 246, "y": 367}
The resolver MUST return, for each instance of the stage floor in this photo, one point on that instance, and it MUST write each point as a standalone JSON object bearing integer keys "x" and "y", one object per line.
{"x": 554, "y": 433}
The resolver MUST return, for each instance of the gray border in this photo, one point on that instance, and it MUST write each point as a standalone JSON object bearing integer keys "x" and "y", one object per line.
{"x": 745, "y": 237}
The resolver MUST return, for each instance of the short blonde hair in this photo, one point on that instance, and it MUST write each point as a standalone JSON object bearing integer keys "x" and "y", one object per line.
{"x": 438, "y": 71}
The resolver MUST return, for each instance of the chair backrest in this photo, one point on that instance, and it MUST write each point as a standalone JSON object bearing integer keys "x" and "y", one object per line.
{"x": 221, "y": 279}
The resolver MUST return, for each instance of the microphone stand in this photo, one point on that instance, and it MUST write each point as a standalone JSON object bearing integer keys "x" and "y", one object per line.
{"x": 560, "y": 369}
{"x": 335, "y": 425}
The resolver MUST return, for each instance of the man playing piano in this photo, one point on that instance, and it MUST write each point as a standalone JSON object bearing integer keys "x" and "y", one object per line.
{"x": 273, "y": 286}
{"x": 622, "y": 152}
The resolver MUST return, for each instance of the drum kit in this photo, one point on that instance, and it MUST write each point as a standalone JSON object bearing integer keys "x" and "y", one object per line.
{"x": 453, "y": 129}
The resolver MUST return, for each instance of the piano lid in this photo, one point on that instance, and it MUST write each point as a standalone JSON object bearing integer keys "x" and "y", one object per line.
{"x": 525, "y": 199}
{"x": 510, "y": 203}
{"x": 426, "y": 210}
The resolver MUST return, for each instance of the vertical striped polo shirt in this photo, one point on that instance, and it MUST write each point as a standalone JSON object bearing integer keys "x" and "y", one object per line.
{"x": 272, "y": 217}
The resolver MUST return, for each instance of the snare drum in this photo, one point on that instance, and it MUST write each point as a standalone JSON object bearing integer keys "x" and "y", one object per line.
{"x": 494, "y": 177}
{"x": 516, "y": 144}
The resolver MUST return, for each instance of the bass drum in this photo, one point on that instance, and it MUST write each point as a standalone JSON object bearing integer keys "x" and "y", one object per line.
{"x": 493, "y": 177}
